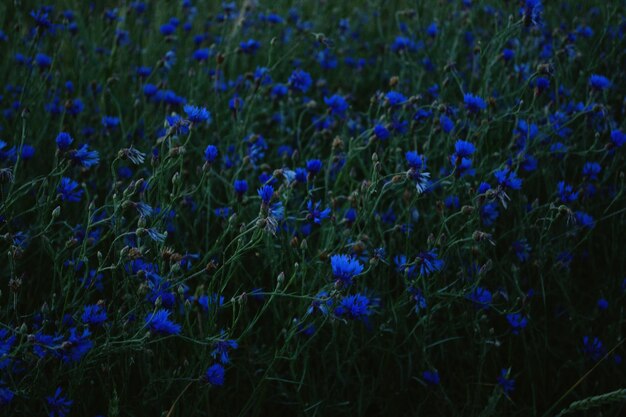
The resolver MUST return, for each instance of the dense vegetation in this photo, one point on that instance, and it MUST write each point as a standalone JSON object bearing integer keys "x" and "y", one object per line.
{"x": 312, "y": 208}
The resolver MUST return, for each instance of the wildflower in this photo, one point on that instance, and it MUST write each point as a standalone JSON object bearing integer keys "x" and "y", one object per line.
{"x": 63, "y": 141}
{"x": 210, "y": 154}
{"x": 585, "y": 220}
{"x": 481, "y": 297}
{"x": 599, "y": 82}
{"x": 461, "y": 158}
{"x": 266, "y": 193}
{"x": 355, "y": 307}
{"x": 58, "y": 406}
{"x": 591, "y": 170}
{"x": 110, "y": 122}
{"x": 337, "y": 104}
{"x": 6, "y": 396}
{"x": 432, "y": 30}
{"x": 602, "y": 304}
{"x": 522, "y": 249}
{"x": 159, "y": 323}
{"x": 221, "y": 349}
{"x": 345, "y": 268}
{"x": 429, "y": 262}
{"x": 517, "y": 322}
{"x": 84, "y": 157}
{"x": 313, "y": 166}
{"x": 531, "y": 12}
{"x": 381, "y": 132}
{"x": 416, "y": 164}
{"x": 300, "y": 80}
{"x": 566, "y": 192}
{"x": 506, "y": 382}
{"x": 43, "y": 61}
{"x": 618, "y": 138}
{"x": 94, "y": 315}
{"x": 394, "y": 98}
{"x": 69, "y": 190}
{"x": 315, "y": 214}
{"x": 403, "y": 267}
{"x": 593, "y": 348}
{"x": 473, "y": 103}
{"x": 76, "y": 346}
{"x": 508, "y": 179}
{"x": 197, "y": 114}
{"x": 431, "y": 377}
{"x": 241, "y": 187}
{"x": 250, "y": 46}
{"x": 133, "y": 155}
{"x": 214, "y": 375}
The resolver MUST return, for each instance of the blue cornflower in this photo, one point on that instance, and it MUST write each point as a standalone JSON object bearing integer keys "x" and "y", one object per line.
{"x": 473, "y": 103}
{"x": 300, "y": 80}
{"x": 201, "y": 54}
{"x": 197, "y": 114}
{"x": 214, "y": 375}
{"x": 522, "y": 249}
{"x": 517, "y": 322}
{"x": 591, "y": 170}
{"x": 508, "y": 179}
{"x": 599, "y": 82}
{"x": 241, "y": 187}
{"x": 432, "y": 30}
{"x": 355, "y": 307}
{"x": 69, "y": 190}
{"x": 58, "y": 406}
{"x": 76, "y": 346}
{"x": 94, "y": 315}
{"x": 429, "y": 262}
{"x": 84, "y": 157}
{"x": 337, "y": 104}
{"x": 566, "y": 192}
{"x": 167, "y": 29}
{"x": 506, "y": 382}
{"x": 461, "y": 158}
{"x": 150, "y": 90}
{"x": 159, "y": 323}
{"x": 531, "y": 12}
{"x": 431, "y": 377}
{"x": 381, "y": 132}
{"x": 395, "y": 98}
{"x": 63, "y": 141}
{"x": 585, "y": 220}
{"x": 43, "y": 61}
{"x": 602, "y": 304}
{"x": 110, "y": 122}
{"x": 6, "y": 396}
{"x": 250, "y": 46}
{"x": 618, "y": 138}
{"x": 415, "y": 160}
{"x": 447, "y": 124}
{"x": 210, "y": 154}
{"x": 266, "y": 193}
{"x": 313, "y": 166}
{"x": 315, "y": 214}
{"x": 481, "y": 297}
{"x": 345, "y": 268}
{"x": 403, "y": 267}
{"x": 593, "y": 348}
{"x": 222, "y": 349}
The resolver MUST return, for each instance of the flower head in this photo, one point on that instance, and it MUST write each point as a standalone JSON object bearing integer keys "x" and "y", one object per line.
{"x": 160, "y": 323}
{"x": 345, "y": 268}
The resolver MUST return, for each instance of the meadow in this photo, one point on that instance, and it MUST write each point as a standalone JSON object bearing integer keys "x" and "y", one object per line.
{"x": 312, "y": 208}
